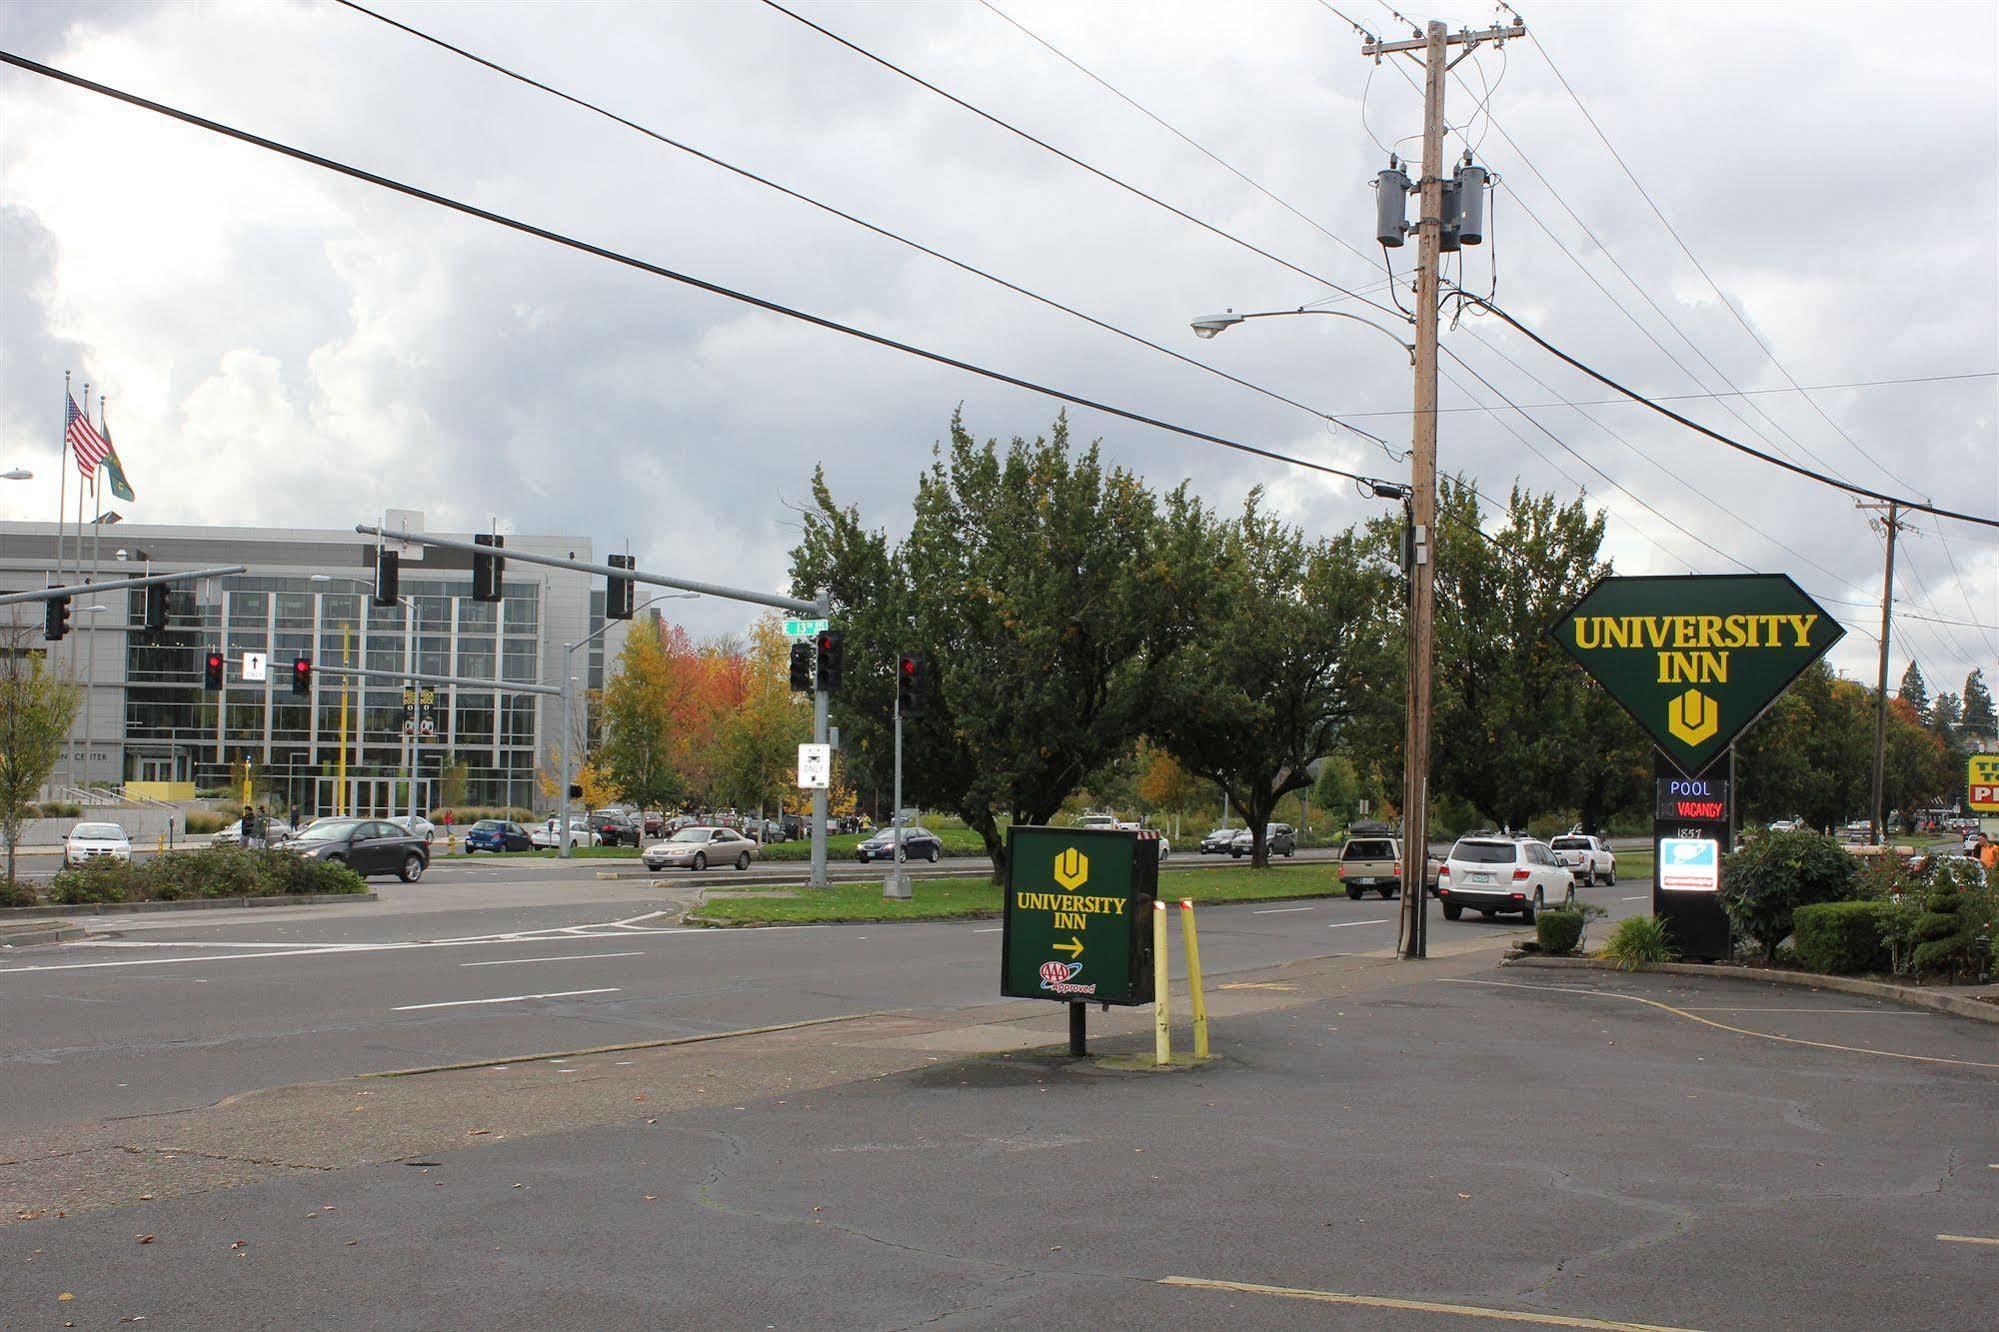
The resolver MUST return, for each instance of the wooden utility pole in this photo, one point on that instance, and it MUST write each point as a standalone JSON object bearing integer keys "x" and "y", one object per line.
{"x": 1435, "y": 45}
{"x": 1877, "y": 820}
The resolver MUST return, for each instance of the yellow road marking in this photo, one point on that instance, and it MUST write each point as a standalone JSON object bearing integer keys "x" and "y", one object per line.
{"x": 1723, "y": 1026}
{"x": 1255, "y": 985}
{"x": 1967, "y": 1239}
{"x": 1415, "y": 1306}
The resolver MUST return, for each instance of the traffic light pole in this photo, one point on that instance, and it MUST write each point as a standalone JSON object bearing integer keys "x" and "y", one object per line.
{"x": 113, "y": 584}
{"x": 823, "y": 609}
{"x": 897, "y": 888}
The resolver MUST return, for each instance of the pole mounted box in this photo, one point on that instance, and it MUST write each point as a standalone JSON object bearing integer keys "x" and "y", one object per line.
{"x": 1076, "y": 923}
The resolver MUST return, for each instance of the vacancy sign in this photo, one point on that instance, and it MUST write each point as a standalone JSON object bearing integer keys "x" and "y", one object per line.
{"x": 1689, "y": 865}
{"x": 815, "y": 767}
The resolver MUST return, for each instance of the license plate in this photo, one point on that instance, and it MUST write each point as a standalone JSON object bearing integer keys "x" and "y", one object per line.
{"x": 1481, "y": 878}
{"x": 1367, "y": 883}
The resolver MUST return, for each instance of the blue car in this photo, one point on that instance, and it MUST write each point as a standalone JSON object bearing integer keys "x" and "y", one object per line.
{"x": 917, "y": 844}
{"x": 497, "y": 835}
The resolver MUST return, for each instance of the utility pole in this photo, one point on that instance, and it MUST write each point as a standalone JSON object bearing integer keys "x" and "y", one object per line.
{"x": 824, "y": 607}
{"x": 1435, "y": 45}
{"x": 897, "y": 888}
{"x": 1877, "y": 821}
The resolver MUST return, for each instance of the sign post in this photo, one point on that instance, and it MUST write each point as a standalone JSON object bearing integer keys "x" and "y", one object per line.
{"x": 1695, "y": 661}
{"x": 1076, "y": 923}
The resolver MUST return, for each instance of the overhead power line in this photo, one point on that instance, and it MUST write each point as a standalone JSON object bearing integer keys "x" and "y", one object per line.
{"x": 1736, "y": 444}
{"x": 686, "y": 279}
{"x": 1072, "y": 159}
{"x": 845, "y": 216}
{"x": 1694, "y": 397}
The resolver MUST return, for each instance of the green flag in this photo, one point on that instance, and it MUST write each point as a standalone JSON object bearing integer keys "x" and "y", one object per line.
{"x": 116, "y": 471}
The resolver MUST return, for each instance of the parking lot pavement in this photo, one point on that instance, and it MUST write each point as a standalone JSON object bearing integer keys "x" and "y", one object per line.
{"x": 1430, "y": 1153}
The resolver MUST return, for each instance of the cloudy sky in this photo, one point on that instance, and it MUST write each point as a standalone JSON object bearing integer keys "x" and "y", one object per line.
{"x": 283, "y": 346}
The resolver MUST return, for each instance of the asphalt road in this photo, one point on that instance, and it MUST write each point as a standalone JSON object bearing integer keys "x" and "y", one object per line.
{"x": 161, "y": 1012}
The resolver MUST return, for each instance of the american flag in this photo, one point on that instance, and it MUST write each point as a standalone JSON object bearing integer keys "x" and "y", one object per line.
{"x": 83, "y": 437}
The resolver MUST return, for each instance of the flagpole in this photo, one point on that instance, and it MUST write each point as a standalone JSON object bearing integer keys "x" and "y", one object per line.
{"x": 62, "y": 520}
{"x": 91, "y": 614}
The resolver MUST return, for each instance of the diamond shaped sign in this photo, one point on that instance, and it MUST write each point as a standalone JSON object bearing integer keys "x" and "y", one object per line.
{"x": 1697, "y": 659}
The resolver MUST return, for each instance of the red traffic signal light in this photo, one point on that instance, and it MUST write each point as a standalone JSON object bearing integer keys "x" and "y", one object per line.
{"x": 912, "y": 683}
{"x": 212, "y": 678}
{"x": 301, "y": 675}
{"x": 832, "y": 653}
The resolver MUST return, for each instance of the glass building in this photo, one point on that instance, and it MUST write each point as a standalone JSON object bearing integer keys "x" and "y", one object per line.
{"x": 149, "y": 717}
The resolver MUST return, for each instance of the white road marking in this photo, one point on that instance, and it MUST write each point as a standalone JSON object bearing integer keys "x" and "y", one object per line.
{"x": 1278, "y": 911}
{"x": 1969, "y": 1239}
{"x": 1341, "y": 925}
{"x": 1642, "y": 897}
{"x": 503, "y": 999}
{"x": 991, "y": 929}
{"x": 569, "y": 957}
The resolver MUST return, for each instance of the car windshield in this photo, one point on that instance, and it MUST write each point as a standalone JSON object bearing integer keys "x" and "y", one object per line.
{"x": 487, "y": 825}
{"x": 1369, "y": 851}
{"x": 693, "y": 835}
{"x": 110, "y": 830}
{"x": 328, "y": 830}
{"x": 1570, "y": 844}
{"x": 1483, "y": 853}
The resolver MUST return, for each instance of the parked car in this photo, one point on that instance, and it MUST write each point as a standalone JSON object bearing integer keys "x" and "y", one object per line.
{"x": 699, "y": 847}
{"x": 275, "y": 833}
{"x": 1590, "y": 859}
{"x": 544, "y": 836}
{"x": 1371, "y": 863}
{"x": 1278, "y": 838}
{"x": 94, "y": 841}
{"x": 1217, "y": 843}
{"x": 1787, "y": 825}
{"x": 917, "y": 844}
{"x": 366, "y": 846}
{"x": 1494, "y": 874}
{"x": 417, "y": 824}
{"x": 614, "y": 829}
{"x": 497, "y": 835}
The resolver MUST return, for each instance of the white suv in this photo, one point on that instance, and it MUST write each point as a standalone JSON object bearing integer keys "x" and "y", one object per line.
{"x": 1589, "y": 857}
{"x": 1494, "y": 874}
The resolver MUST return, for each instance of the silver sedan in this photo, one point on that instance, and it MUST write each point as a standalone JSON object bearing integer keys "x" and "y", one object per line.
{"x": 699, "y": 847}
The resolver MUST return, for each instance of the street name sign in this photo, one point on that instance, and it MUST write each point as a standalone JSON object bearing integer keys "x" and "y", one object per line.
{"x": 1981, "y": 787}
{"x": 815, "y": 767}
{"x": 1695, "y": 660}
{"x": 1076, "y": 922}
{"x": 804, "y": 628}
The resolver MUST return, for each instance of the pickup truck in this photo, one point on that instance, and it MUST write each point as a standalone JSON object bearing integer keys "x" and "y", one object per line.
{"x": 1589, "y": 859}
{"x": 1375, "y": 864}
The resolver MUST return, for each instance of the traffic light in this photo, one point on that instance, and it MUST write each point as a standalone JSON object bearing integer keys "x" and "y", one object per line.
{"x": 212, "y": 679}
{"x": 57, "y": 623}
{"x": 912, "y": 683}
{"x": 487, "y": 569}
{"x": 618, "y": 591}
{"x": 388, "y": 567}
{"x": 301, "y": 675}
{"x": 801, "y": 667}
{"x": 831, "y": 649}
{"x": 156, "y": 610}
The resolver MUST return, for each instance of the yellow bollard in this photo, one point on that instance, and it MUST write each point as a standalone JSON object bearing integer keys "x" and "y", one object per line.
{"x": 1196, "y": 999}
{"x": 1162, "y": 980}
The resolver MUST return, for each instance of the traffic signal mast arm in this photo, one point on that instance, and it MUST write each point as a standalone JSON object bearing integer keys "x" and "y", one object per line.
{"x": 115, "y": 584}
{"x": 497, "y": 686}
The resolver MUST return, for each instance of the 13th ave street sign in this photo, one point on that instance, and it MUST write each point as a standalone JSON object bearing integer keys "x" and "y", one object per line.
{"x": 1078, "y": 915}
{"x": 1695, "y": 660}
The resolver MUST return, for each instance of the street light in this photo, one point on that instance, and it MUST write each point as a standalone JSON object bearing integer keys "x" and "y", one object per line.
{"x": 1211, "y": 326}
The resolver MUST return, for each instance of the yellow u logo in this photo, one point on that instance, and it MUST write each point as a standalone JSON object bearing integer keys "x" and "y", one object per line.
{"x": 1072, "y": 869}
{"x": 1693, "y": 717}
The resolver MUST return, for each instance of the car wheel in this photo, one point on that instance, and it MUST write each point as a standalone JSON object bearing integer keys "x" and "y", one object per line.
{"x": 1487, "y": 913}
{"x": 1610, "y": 879}
{"x": 700, "y": 861}
{"x": 1353, "y": 894}
{"x": 743, "y": 861}
{"x": 936, "y": 854}
{"x": 469, "y": 849}
{"x": 901, "y": 855}
{"x": 1528, "y": 910}
{"x": 412, "y": 869}
{"x": 1452, "y": 911}
{"x": 1292, "y": 852}
{"x": 1569, "y": 899}
{"x": 1234, "y": 854}
{"x": 1387, "y": 893}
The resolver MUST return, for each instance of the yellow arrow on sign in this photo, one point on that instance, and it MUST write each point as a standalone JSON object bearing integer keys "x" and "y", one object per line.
{"x": 1074, "y": 948}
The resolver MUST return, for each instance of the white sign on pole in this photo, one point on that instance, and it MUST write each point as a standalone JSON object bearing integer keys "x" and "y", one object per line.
{"x": 1689, "y": 865}
{"x": 403, "y": 520}
{"x": 815, "y": 767}
{"x": 256, "y": 667}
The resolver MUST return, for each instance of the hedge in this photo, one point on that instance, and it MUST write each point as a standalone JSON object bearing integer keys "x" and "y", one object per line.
{"x": 1558, "y": 932}
{"x": 214, "y": 871}
{"x": 1841, "y": 938}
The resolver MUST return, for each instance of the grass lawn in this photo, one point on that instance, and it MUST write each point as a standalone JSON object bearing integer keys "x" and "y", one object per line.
{"x": 944, "y": 899}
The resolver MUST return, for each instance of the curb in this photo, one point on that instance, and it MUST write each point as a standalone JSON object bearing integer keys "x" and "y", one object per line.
{"x": 1908, "y": 995}
{"x": 189, "y": 904}
{"x": 20, "y": 934}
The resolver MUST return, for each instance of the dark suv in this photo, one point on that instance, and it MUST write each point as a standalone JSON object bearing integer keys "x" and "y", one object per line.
{"x": 366, "y": 846}
{"x": 1279, "y": 839}
{"x": 614, "y": 829}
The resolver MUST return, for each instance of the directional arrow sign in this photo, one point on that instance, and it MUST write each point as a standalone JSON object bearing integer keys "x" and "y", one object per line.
{"x": 1074, "y": 948}
{"x": 1696, "y": 660}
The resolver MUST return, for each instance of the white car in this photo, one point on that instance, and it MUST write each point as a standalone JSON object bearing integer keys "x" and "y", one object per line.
{"x": 276, "y": 832}
{"x": 1494, "y": 874}
{"x": 544, "y": 835}
{"x": 91, "y": 841}
{"x": 1590, "y": 859}
{"x": 418, "y": 825}
{"x": 1787, "y": 825}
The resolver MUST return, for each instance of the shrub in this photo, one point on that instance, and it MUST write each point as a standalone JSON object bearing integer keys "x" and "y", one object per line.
{"x": 1957, "y": 908}
{"x": 205, "y": 821}
{"x": 214, "y": 871}
{"x": 1763, "y": 884}
{"x": 1842, "y": 938}
{"x": 14, "y": 893}
{"x": 1640, "y": 939}
{"x": 55, "y": 809}
{"x": 1558, "y": 931}
{"x": 104, "y": 879}
{"x": 466, "y": 816}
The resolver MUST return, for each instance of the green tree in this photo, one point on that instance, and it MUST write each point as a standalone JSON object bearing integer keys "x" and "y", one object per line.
{"x": 1915, "y": 691}
{"x": 758, "y": 742}
{"x": 1046, "y": 590}
{"x": 1978, "y": 717}
{"x": 641, "y": 748}
{"x": 1294, "y": 645}
{"x": 1337, "y": 790}
{"x": 37, "y": 708}
{"x": 457, "y": 781}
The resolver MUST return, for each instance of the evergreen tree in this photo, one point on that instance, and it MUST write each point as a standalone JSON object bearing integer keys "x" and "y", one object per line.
{"x": 1915, "y": 691}
{"x": 1978, "y": 716}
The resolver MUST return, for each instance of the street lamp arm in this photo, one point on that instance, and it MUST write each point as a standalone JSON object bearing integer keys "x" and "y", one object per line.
{"x": 1212, "y": 325}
